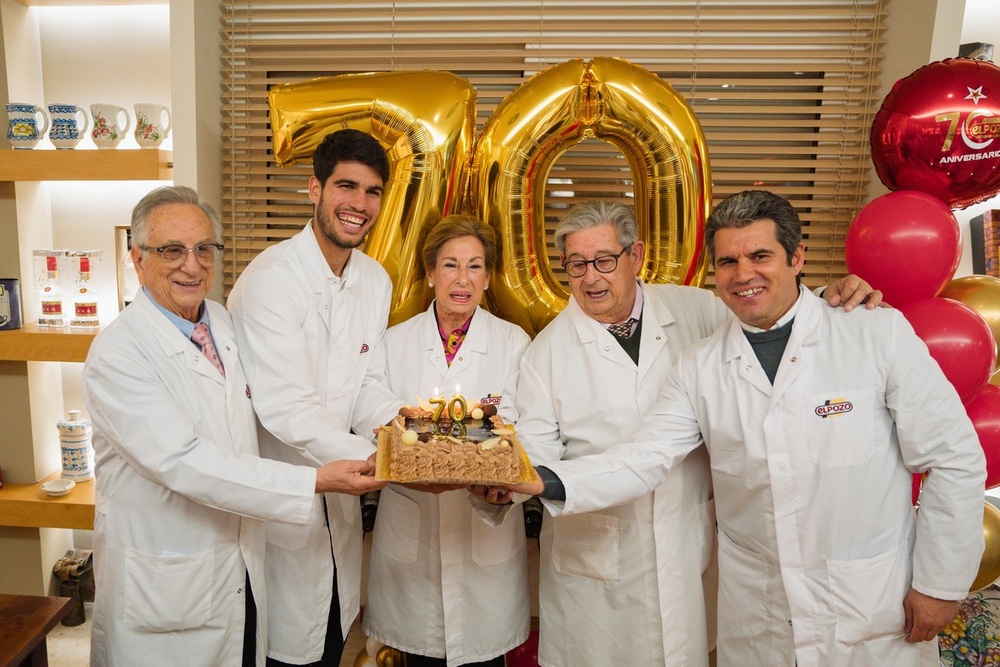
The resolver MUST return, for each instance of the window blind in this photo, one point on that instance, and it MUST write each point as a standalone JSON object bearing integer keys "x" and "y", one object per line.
{"x": 785, "y": 91}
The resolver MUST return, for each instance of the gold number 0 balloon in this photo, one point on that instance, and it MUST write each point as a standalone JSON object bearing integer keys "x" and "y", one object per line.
{"x": 614, "y": 101}
{"x": 426, "y": 121}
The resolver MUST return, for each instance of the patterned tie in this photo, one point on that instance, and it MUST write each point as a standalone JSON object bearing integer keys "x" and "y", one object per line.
{"x": 203, "y": 339}
{"x": 623, "y": 330}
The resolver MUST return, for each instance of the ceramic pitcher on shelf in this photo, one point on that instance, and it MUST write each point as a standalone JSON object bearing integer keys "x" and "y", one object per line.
{"x": 69, "y": 125}
{"x": 152, "y": 124}
{"x": 27, "y": 124}
{"x": 111, "y": 122}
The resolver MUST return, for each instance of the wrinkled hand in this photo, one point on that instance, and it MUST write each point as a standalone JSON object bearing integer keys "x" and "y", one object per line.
{"x": 851, "y": 291}
{"x": 494, "y": 495}
{"x": 345, "y": 476}
{"x": 926, "y": 616}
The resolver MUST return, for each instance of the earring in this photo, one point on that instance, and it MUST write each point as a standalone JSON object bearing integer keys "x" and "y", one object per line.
{"x": 430, "y": 283}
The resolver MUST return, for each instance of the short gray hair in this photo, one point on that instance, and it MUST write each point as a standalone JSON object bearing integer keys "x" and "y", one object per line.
{"x": 163, "y": 196}
{"x": 747, "y": 207}
{"x": 594, "y": 213}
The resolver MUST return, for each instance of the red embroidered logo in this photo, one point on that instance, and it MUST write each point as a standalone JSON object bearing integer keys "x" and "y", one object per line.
{"x": 364, "y": 347}
{"x": 490, "y": 399}
{"x": 248, "y": 391}
{"x": 834, "y": 407}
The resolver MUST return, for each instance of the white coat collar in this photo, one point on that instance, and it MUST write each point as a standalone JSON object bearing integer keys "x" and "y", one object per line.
{"x": 315, "y": 269}
{"x": 173, "y": 342}
{"x": 476, "y": 338}
{"x": 654, "y": 313}
{"x": 805, "y": 329}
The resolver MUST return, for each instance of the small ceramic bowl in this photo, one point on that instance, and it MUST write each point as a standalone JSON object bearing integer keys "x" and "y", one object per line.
{"x": 58, "y": 487}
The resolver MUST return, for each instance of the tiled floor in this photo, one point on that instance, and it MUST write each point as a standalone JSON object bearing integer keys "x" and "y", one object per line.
{"x": 70, "y": 647}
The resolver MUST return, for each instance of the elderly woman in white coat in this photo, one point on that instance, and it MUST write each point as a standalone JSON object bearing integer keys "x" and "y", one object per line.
{"x": 444, "y": 586}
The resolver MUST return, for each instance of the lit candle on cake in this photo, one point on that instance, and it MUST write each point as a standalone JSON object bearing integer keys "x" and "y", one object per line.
{"x": 439, "y": 404}
{"x": 457, "y": 406}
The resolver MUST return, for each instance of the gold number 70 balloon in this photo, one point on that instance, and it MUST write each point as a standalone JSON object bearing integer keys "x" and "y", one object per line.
{"x": 425, "y": 120}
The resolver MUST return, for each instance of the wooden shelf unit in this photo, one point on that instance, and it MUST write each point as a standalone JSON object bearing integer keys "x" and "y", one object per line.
{"x": 113, "y": 164}
{"x": 34, "y": 343}
{"x": 27, "y": 506}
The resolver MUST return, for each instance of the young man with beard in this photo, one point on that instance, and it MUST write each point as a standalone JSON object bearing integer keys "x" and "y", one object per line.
{"x": 309, "y": 315}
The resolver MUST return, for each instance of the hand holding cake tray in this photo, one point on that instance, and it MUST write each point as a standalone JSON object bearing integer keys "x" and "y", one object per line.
{"x": 449, "y": 444}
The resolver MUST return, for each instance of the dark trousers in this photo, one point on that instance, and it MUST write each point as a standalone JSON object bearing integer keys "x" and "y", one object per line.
{"x": 423, "y": 661}
{"x": 250, "y": 629}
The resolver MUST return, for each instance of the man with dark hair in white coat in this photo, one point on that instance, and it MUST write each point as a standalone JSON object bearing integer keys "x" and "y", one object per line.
{"x": 181, "y": 491}
{"x": 310, "y": 313}
{"x": 815, "y": 422}
{"x": 623, "y": 584}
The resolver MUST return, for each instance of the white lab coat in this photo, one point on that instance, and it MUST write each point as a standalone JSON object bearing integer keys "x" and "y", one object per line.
{"x": 180, "y": 495}
{"x": 818, "y": 539}
{"x": 622, "y": 585}
{"x": 441, "y": 581}
{"x": 313, "y": 357}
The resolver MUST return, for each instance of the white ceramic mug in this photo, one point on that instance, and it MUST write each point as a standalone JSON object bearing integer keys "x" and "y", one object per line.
{"x": 27, "y": 124}
{"x": 69, "y": 125}
{"x": 152, "y": 124}
{"x": 111, "y": 122}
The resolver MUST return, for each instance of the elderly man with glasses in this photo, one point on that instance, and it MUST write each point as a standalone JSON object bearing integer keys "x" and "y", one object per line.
{"x": 623, "y": 585}
{"x": 181, "y": 491}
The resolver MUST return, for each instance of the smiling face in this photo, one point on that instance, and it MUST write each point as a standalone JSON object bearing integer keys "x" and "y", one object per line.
{"x": 606, "y": 297}
{"x": 180, "y": 287}
{"x": 753, "y": 274}
{"x": 345, "y": 208}
{"x": 459, "y": 277}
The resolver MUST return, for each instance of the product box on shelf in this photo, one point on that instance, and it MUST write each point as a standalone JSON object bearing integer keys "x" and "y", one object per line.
{"x": 985, "y": 240}
{"x": 10, "y": 304}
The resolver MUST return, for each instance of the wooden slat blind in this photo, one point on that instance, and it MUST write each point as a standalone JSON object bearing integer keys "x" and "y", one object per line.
{"x": 785, "y": 91}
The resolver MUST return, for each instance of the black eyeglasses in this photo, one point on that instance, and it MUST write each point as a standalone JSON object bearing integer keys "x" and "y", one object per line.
{"x": 577, "y": 268}
{"x": 205, "y": 253}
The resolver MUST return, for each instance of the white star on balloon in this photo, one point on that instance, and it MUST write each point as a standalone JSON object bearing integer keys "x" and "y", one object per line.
{"x": 975, "y": 94}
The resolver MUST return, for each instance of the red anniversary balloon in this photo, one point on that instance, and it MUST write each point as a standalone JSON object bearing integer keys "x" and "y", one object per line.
{"x": 959, "y": 340}
{"x": 984, "y": 411}
{"x": 907, "y": 244}
{"x": 938, "y": 131}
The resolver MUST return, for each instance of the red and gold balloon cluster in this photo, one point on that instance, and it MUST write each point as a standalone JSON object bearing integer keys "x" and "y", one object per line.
{"x": 426, "y": 121}
{"x": 936, "y": 143}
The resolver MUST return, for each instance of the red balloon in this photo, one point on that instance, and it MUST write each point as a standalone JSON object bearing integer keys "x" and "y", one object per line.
{"x": 958, "y": 338}
{"x": 525, "y": 655}
{"x": 906, "y": 243}
{"x": 938, "y": 131}
{"x": 984, "y": 411}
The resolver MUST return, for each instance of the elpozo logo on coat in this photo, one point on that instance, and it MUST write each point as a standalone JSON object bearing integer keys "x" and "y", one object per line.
{"x": 833, "y": 407}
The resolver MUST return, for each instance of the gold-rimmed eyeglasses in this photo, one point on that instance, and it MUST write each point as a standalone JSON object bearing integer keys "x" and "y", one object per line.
{"x": 205, "y": 253}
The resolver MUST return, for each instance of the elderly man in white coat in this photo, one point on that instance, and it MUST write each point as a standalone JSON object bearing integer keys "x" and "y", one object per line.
{"x": 623, "y": 584}
{"x": 309, "y": 314}
{"x": 181, "y": 491}
{"x": 814, "y": 422}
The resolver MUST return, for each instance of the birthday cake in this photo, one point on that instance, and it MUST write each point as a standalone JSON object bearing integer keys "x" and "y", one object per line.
{"x": 470, "y": 451}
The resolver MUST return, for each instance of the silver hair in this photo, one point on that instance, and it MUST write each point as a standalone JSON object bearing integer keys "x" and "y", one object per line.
{"x": 594, "y": 213}
{"x": 163, "y": 196}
